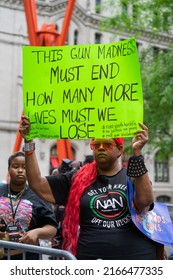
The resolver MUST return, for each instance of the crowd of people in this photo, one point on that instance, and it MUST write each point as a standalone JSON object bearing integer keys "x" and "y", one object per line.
{"x": 90, "y": 216}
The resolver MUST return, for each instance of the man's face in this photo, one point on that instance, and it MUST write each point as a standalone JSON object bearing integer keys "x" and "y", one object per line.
{"x": 17, "y": 171}
{"x": 106, "y": 152}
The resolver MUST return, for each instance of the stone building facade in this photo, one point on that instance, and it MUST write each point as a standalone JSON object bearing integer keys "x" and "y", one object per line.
{"x": 84, "y": 29}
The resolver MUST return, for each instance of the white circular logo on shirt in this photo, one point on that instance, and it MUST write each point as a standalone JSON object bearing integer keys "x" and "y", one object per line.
{"x": 112, "y": 205}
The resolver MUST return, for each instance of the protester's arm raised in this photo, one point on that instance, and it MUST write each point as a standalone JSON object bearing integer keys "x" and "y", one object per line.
{"x": 38, "y": 183}
{"x": 143, "y": 197}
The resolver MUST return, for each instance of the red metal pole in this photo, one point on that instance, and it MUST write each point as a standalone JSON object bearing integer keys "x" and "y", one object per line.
{"x": 18, "y": 141}
{"x": 31, "y": 19}
{"x": 66, "y": 22}
{"x": 61, "y": 149}
{"x": 69, "y": 150}
{"x": 63, "y": 146}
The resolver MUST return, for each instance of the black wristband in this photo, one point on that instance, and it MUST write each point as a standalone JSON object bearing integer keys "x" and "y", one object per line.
{"x": 136, "y": 166}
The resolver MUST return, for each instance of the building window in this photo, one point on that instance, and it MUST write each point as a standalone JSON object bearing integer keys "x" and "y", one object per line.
{"x": 156, "y": 19}
{"x": 98, "y": 6}
{"x": 67, "y": 41}
{"x": 76, "y": 37}
{"x": 156, "y": 51}
{"x": 53, "y": 159}
{"x": 165, "y": 21}
{"x": 135, "y": 12}
{"x": 98, "y": 38}
{"x": 124, "y": 7}
{"x": 161, "y": 169}
{"x": 163, "y": 198}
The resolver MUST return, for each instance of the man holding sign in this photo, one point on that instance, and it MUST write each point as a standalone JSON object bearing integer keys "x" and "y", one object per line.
{"x": 97, "y": 222}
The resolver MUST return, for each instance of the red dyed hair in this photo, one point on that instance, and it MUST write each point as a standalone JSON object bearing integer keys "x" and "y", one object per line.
{"x": 119, "y": 141}
{"x": 70, "y": 226}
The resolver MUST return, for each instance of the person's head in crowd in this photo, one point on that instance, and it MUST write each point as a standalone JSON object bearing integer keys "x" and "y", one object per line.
{"x": 88, "y": 159}
{"x": 65, "y": 166}
{"x": 16, "y": 170}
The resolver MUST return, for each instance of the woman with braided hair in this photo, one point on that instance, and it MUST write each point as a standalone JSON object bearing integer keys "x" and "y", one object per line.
{"x": 97, "y": 222}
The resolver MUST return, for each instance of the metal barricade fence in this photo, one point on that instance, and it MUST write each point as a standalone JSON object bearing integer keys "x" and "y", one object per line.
{"x": 24, "y": 248}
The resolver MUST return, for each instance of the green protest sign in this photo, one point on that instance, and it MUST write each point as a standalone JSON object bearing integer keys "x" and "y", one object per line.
{"x": 83, "y": 91}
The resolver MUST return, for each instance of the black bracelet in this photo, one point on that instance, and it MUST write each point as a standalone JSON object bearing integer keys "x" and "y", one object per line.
{"x": 136, "y": 166}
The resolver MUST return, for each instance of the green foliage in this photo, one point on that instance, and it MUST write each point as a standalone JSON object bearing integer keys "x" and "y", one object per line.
{"x": 157, "y": 80}
{"x": 154, "y": 16}
{"x": 140, "y": 14}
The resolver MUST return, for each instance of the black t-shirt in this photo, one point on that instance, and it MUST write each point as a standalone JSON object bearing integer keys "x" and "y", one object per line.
{"x": 106, "y": 228}
{"x": 30, "y": 212}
